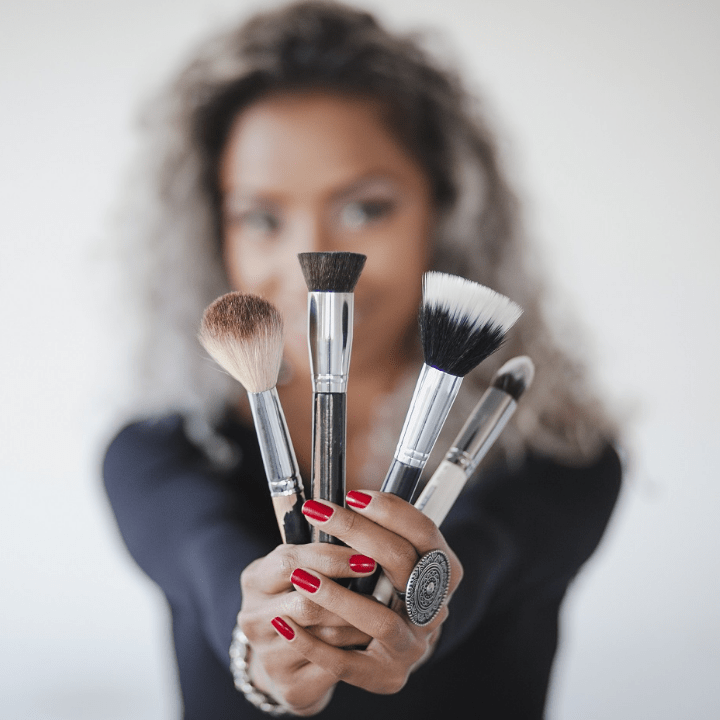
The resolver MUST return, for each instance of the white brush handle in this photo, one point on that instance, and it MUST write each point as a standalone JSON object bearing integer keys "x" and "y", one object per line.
{"x": 439, "y": 495}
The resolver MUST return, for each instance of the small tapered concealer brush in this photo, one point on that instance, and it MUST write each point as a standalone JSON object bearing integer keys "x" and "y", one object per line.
{"x": 330, "y": 278}
{"x": 244, "y": 335}
{"x": 481, "y": 429}
{"x": 461, "y": 324}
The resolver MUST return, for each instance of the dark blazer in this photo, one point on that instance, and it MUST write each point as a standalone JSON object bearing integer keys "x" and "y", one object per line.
{"x": 521, "y": 535}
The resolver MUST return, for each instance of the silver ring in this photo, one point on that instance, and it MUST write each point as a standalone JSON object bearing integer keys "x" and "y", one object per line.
{"x": 427, "y": 587}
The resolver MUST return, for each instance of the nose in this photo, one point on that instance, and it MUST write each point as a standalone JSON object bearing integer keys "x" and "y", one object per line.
{"x": 311, "y": 232}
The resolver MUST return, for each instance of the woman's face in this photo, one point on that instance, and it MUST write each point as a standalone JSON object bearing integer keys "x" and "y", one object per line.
{"x": 317, "y": 171}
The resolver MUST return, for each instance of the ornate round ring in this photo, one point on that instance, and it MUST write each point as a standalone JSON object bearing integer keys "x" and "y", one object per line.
{"x": 427, "y": 587}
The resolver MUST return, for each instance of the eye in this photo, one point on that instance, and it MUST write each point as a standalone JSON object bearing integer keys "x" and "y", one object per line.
{"x": 357, "y": 213}
{"x": 259, "y": 220}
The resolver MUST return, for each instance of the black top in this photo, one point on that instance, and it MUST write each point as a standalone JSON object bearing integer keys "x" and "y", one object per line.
{"x": 521, "y": 536}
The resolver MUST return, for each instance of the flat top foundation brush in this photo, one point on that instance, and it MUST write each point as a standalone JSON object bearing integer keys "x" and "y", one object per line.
{"x": 461, "y": 324}
{"x": 330, "y": 278}
{"x": 244, "y": 334}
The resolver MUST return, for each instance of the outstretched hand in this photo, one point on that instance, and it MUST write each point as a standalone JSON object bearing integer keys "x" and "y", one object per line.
{"x": 304, "y": 642}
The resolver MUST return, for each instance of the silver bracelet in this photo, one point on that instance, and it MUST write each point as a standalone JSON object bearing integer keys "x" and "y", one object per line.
{"x": 239, "y": 662}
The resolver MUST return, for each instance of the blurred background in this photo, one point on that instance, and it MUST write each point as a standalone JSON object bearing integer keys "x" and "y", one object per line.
{"x": 608, "y": 114}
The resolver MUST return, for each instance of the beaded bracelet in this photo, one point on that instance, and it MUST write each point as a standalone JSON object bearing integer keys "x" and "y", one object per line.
{"x": 239, "y": 662}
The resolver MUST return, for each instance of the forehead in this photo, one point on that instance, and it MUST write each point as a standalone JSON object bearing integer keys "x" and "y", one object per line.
{"x": 312, "y": 139}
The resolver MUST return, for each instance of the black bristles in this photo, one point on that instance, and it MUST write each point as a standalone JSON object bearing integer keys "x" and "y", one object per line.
{"x": 331, "y": 271}
{"x": 462, "y": 322}
{"x": 456, "y": 347}
{"x": 515, "y": 376}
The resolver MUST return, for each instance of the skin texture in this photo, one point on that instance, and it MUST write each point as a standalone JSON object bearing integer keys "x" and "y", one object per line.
{"x": 302, "y": 672}
{"x": 322, "y": 172}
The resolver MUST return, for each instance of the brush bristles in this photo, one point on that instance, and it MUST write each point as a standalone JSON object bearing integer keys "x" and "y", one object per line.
{"x": 244, "y": 334}
{"x": 515, "y": 376}
{"x": 462, "y": 322}
{"x": 331, "y": 271}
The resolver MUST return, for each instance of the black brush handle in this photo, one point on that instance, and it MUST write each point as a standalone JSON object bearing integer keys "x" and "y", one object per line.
{"x": 293, "y": 525}
{"x": 328, "y": 456}
{"x": 401, "y": 480}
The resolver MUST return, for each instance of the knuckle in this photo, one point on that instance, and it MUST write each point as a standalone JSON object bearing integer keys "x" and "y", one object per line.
{"x": 287, "y": 558}
{"x": 305, "y": 611}
{"x": 391, "y": 682}
{"x": 405, "y": 557}
{"x": 391, "y": 630}
{"x": 249, "y": 576}
{"x": 344, "y": 522}
{"x": 339, "y": 669}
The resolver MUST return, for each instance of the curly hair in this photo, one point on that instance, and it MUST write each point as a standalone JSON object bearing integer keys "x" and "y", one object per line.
{"x": 172, "y": 233}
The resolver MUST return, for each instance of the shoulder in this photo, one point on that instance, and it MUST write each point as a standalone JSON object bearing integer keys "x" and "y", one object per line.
{"x": 148, "y": 444}
{"x": 555, "y": 514}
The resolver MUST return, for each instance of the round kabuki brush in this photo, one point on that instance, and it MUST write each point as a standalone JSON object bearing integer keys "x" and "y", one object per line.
{"x": 330, "y": 278}
{"x": 244, "y": 335}
{"x": 461, "y": 324}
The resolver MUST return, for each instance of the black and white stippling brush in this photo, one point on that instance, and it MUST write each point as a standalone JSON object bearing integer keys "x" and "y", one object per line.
{"x": 244, "y": 334}
{"x": 461, "y": 324}
{"x": 331, "y": 278}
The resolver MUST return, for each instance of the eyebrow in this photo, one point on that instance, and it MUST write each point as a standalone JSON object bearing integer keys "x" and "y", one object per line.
{"x": 368, "y": 183}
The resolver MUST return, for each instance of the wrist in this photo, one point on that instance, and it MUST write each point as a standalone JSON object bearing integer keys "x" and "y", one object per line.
{"x": 240, "y": 657}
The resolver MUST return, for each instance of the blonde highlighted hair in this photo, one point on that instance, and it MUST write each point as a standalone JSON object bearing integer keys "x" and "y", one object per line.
{"x": 171, "y": 231}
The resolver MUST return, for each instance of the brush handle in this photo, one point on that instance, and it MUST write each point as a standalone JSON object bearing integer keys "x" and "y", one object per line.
{"x": 281, "y": 466}
{"x": 481, "y": 429}
{"x": 294, "y": 528}
{"x": 401, "y": 479}
{"x": 434, "y": 394}
{"x": 328, "y": 454}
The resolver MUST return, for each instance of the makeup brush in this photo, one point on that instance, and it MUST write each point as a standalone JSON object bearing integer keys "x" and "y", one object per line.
{"x": 461, "y": 324}
{"x": 481, "y": 429}
{"x": 331, "y": 278}
{"x": 477, "y": 436}
{"x": 244, "y": 335}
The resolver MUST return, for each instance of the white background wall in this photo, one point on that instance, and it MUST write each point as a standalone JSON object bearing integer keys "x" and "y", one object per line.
{"x": 610, "y": 115}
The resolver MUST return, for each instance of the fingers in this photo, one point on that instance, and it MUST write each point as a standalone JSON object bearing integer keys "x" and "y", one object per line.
{"x": 355, "y": 667}
{"x": 385, "y": 527}
{"x": 360, "y": 611}
{"x": 271, "y": 574}
{"x": 386, "y": 663}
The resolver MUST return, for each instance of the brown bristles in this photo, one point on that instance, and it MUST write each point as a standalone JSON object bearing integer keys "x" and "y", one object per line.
{"x": 244, "y": 334}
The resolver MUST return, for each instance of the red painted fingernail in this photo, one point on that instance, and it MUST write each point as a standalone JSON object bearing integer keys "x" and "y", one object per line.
{"x": 358, "y": 499}
{"x": 305, "y": 580}
{"x": 283, "y": 628}
{"x": 361, "y": 564}
{"x": 317, "y": 510}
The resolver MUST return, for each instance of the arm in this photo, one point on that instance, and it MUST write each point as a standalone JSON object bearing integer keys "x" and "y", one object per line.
{"x": 183, "y": 523}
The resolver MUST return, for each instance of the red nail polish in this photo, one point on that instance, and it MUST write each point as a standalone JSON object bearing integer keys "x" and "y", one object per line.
{"x": 283, "y": 628}
{"x": 361, "y": 564}
{"x": 317, "y": 510}
{"x": 358, "y": 499}
{"x": 305, "y": 580}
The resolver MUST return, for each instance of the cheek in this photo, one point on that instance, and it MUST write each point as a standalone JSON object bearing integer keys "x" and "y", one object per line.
{"x": 248, "y": 269}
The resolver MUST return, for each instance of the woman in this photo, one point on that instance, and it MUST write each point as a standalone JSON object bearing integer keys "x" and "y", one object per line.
{"x": 311, "y": 128}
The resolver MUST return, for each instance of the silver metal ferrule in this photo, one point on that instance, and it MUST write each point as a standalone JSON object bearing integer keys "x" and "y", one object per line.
{"x": 330, "y": 332}
{"x": 434, "y": 395}
{"x": 481, "y": 430}
{"x": 281, "y": 466}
